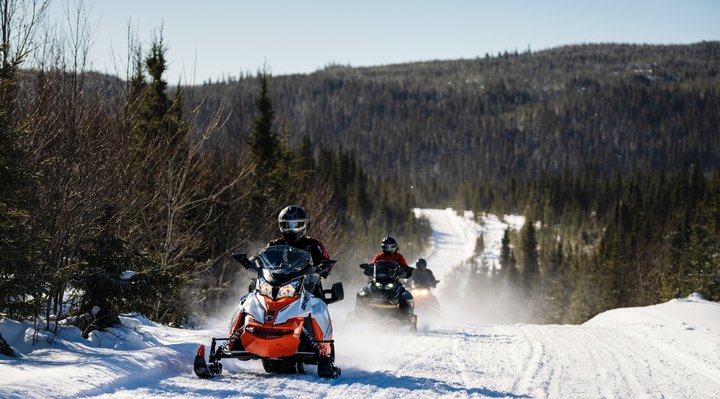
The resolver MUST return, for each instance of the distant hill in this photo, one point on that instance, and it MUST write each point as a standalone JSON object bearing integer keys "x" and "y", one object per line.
{"x": 616, "y": 107}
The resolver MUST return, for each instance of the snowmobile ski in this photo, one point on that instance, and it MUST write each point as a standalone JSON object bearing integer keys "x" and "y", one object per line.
{"x": 201, "y": 367}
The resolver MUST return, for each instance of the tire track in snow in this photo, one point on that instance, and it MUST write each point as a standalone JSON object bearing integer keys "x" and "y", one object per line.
{"x": 641, "y": 355}
{"x": 378, "y": 360}
{"x": 626, "y": 380}
{"x": 533, "y": 362}
{"x": 563, "y": 362}
{"x": 685, "y": 360}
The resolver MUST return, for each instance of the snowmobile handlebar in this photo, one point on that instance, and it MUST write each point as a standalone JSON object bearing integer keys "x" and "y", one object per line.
{"x": 243, "y": 260}
{"x": 402, "y": 272}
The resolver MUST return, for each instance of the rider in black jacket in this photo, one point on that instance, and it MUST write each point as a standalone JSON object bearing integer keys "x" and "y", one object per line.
{"x": 293, "y": 222}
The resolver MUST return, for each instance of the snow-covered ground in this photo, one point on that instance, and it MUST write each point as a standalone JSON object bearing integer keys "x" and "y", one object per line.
{"x": 669, "y": 350}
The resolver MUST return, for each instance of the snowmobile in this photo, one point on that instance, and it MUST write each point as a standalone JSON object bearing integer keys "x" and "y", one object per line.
{"x": 421, "y": 287}
{"x": 284, "y": 321}
{"x": 385, "y": 296}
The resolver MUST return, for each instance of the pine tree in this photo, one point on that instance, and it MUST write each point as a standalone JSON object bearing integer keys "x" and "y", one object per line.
{"x": 264, "y": 140}
{"x": 508, "y": 265}
{"x": 555, "y": 287}
{"x": 529, "y": 260}
{"x": 270, "y": 159}
{"x": 20, "y": 290}
{"x": 18, "y": 282}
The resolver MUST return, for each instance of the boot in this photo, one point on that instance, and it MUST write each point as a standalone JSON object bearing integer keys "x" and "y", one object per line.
{"x": 326, "y": 368}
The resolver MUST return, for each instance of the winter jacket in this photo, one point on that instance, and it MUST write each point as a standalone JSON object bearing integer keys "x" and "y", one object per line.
{"x": 395, "y": 256}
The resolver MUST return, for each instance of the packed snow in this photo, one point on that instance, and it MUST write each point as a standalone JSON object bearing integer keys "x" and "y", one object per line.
{"x": 669, "y": 350}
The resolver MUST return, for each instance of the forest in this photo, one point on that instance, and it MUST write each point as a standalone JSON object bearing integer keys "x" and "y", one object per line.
{"x": 127, "y": 194}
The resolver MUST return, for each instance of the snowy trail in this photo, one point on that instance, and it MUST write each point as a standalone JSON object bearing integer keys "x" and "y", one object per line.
{"x": 452, "y": 241}
{"x": 670, "y": 350}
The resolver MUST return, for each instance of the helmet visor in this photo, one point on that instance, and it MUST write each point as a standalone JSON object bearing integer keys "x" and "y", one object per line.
{"x": 389, "y": 247}
{"x": 294, "y": 226}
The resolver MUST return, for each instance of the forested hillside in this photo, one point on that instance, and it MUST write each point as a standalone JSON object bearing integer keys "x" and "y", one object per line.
{"x": 438, "y": 125}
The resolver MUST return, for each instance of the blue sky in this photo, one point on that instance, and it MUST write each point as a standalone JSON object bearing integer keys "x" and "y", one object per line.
{"x": 215, "y": 39}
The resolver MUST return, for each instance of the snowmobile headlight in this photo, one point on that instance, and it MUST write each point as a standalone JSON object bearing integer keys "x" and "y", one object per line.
{"x": 288, "y": 290}
{"x": 420, "y": 292}
{"x": 382, "y": 286}
{"x": 285, "y": 291}
{"x": 265, "y": 289}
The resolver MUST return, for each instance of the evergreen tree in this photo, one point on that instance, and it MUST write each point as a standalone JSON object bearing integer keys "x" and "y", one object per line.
{"x": 264, "y": 140}
{"x": 274, "y": 181}
{"x": 555, "y": 287}
{"x": 508, "y": 264}
{"x": 529, "y": 260}
{"x": 18, "y": 278}
{"x": 20, "y": 282}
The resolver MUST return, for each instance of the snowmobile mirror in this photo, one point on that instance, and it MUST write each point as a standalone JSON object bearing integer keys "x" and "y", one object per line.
{"x": 369, "y": 270}
{"x": 336, "y": 292}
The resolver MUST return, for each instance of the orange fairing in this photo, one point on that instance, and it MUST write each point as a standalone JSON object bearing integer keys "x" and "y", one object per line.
{"x": 273, "y": 307}
{"x": 272, "y": 341}
{"x": 266, "y": 339}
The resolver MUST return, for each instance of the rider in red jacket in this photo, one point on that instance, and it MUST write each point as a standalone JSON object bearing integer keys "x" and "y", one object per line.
{"x": 390, "y": 252}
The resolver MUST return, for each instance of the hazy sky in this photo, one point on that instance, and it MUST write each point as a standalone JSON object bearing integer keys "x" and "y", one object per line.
{"x": 214, "y": 38}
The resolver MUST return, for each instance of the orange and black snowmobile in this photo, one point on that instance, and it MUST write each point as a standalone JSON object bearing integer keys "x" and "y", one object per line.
{"x": 284, "y": 321}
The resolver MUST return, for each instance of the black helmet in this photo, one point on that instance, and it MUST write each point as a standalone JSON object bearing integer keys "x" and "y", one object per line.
{"x": 390, "y": 245}
{"x": 421, "y": 264}
{"x": 293, "y": 222}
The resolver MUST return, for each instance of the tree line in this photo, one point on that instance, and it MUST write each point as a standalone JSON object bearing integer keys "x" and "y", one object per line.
{"x": 601, "y": 241}
{"x": 443, "y": 124}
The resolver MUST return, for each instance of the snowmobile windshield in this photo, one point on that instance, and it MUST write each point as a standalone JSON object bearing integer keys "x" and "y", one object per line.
{"x": 420, "y": 278}
{"x": 281, "y": 263}
{"x": 386, "y": 271}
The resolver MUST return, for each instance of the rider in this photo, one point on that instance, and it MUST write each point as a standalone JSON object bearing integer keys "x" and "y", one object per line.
{"x": 390, "y": 249}
{"x": 390, "y": 252}
{"x": 293, "y": 222}
{"x": 423, "y": 275}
